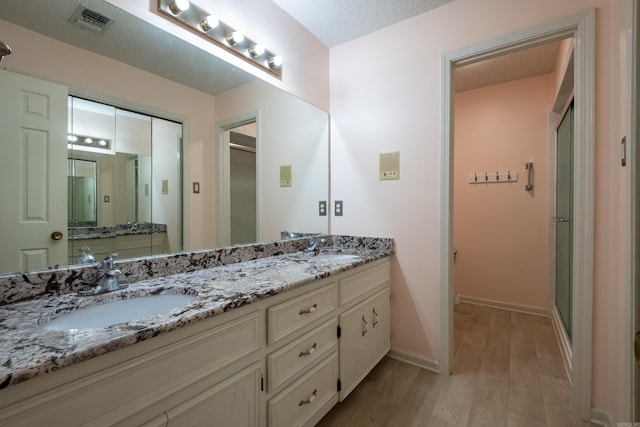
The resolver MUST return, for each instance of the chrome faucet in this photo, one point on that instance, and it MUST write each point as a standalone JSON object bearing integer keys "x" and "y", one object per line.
{"x": 107, "y": 280}
{"x": 87, "y": 255}
{"x": 133, "y": 225}
{"x": 314, "y": 245}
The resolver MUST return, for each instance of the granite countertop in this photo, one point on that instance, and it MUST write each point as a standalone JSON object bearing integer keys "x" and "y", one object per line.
{"x": 29, "y": 350}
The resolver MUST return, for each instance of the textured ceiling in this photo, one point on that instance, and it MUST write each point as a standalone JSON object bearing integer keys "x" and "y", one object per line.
{"x": 335, "y": 22}
{"x": 142, "y": 45}
{"x": 518, "y": 65}
{"x": 129, "y": 40}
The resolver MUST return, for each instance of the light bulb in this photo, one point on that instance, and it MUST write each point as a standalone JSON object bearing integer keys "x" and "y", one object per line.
{"x": 208, "y": 23}
{"x": 178, "y": 6}
{"x": 235, "y": 38}
{"x": 275, "y": 61}
{"x": 102, "y": 142}
{"x": 256, "y": 50}
{"x": 88, "y": 141}
{"x": 72, "y": 138}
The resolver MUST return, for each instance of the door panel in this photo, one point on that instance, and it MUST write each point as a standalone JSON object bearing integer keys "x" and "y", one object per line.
{"x": 564, "y": 216}
{"x": 33, "y": 120}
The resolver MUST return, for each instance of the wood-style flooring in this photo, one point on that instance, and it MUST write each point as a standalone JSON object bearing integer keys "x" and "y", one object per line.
{"x": 507, "y": 371}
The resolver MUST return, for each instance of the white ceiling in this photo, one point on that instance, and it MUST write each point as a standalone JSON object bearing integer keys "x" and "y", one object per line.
{"x": 518, "y": 65}
{"x": 335, "y": 22}
{"x": 137, "y": 43}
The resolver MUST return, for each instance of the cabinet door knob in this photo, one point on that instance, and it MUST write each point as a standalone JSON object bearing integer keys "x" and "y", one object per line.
{"x": 309, "y": 399}
{"x": 309, "y": 310}
{"x": 365, "y": 326}
{"x": 375, "y": 318}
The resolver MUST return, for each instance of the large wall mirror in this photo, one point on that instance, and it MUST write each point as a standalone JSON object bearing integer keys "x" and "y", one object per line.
{"x": 126, "y": 75}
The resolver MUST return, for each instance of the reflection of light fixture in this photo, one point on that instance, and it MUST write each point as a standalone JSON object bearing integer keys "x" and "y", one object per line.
{"x": 202, "y": 22}
{"x": 88, "y": 143}
{"x": 275, "y": 61}
{"x": 235, "y": 38}
{"x": 178, "y": 6}
{"x": 256, "y": 50}
{"x": 208, "y": 23}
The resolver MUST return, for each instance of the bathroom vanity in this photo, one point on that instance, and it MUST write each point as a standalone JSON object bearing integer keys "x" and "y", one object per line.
{"x": 275, "y": 341}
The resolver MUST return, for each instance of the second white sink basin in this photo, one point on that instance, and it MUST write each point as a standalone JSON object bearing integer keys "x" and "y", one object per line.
{"x": 110, "y": 313}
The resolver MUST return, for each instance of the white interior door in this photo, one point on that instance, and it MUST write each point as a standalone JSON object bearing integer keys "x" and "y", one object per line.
{"x": 33, "y": 121}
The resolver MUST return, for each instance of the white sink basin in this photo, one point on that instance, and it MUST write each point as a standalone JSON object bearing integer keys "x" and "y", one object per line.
{"x": 110, "y": 313}
{"x": 334, "y": 257}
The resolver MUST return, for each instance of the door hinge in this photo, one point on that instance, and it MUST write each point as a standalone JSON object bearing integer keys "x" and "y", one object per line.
{"x": 339, "y": 385}
{"x": 261, "y": 383}
{"x": 339, "y": 331}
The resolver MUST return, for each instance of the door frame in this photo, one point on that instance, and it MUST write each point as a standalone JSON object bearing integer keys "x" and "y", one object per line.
{"x": 582, "y": 28}
{"x": 633, "y": 159}
{"x": 223, "y": 208}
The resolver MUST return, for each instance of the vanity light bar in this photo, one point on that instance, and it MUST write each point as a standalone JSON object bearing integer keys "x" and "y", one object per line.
{"x": 212, "y": 29}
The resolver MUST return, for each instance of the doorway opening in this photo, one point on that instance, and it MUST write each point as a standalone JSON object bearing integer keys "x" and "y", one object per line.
{"x": 240, "y": 189}
{"x": 582, "y": 28}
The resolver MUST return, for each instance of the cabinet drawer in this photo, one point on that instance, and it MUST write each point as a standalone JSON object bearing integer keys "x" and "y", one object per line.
{"x": 303, "y": 352}
{"x": 290, "y": 316}
{"x": 306, "y": 400}
{"x": 362, "y": 282}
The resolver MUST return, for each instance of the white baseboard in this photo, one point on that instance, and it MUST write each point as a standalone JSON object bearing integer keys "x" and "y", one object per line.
{"x": 415, "y": 359}
{"x": 563, "y": 340}
{"x": 601, "y": 418}
{"x": 505, "y": 306}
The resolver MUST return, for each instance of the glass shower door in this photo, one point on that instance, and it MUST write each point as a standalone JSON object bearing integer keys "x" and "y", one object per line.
{"x": 563, "y": 218}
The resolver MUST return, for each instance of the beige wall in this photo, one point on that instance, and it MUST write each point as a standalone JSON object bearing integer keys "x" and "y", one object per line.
{"x": 386, "y": 95}
{"x": 500, "y": 230}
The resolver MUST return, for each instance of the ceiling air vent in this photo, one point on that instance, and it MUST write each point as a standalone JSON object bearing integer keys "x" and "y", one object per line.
{"x": 90, "y": 20}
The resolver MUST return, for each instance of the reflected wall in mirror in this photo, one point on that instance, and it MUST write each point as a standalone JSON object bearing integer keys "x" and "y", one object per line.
{"x": 127, "y": 66}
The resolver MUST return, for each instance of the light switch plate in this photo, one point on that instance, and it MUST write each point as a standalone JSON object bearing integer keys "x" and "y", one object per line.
{"x": 196, "y": 187}
{"x": 322, "y": 208}
{"x": 165, "y": 186}
{"x": 338, "y": 208}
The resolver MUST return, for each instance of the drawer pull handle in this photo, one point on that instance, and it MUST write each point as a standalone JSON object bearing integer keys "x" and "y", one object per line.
{"x": 308, "y": 352}
{"x": 309, "y": 399}
{"x": 365, "y": 326}
{"x": 309, "y": 310}
{"x": 375, "y": 318}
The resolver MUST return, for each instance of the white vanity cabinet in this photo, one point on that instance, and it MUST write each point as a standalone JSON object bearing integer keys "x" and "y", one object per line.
{"x": 364, "y": 322}
{"x": 212, "y": 364}
{"x": 302, "y": 358}
{"x": 283, "y": 361}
